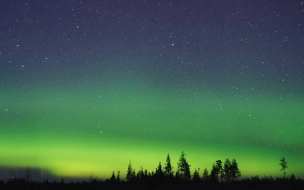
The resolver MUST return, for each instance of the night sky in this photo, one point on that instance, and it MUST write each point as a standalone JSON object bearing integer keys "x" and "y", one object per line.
{"x": 87, "y": 86}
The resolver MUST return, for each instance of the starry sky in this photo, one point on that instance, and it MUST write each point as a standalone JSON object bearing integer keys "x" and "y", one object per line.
{"x": 87, "y": 86}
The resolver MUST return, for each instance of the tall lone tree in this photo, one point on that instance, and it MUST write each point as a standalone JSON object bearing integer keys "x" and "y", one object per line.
{"x": 284, "y": 166}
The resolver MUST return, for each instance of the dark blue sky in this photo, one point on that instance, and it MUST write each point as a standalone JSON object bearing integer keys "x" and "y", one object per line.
{"x": 218, "y": 34}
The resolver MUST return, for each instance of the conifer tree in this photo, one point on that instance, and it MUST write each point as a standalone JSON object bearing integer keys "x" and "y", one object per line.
{"x": 113, "y": 178}
{"x": 205, "y": 177}
{"x": 196, "y": 177}
{"x": 168, "y": 169}
{"x": 183, "y": 167}
{"x": 159, "y": 170}
{"x": 219, "y": 169}
{"x": 130, "y": 173}
{"x": 214, "y": 174}
{"x": 284, "y": 166}
{"x": 118, "y": 176}
{"x": 227, "y": 170}
{"x": 234, "y": 170}
{"x": 140, "y": 173}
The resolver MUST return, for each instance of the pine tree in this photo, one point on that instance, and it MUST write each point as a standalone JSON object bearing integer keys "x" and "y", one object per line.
{"x": 284, "y": 166}
{"x": 140, "y": 174}
{"x": 130, "y": 173}
{"x": 118, "y": 176}
{"x": 219, "y": 167}
{"x": 217, "y": 172}
{"x": 183, "y": 167}
{"x": 234, "y": 170}
{"x": 214, "y": 174}
{"x": 113, "y": 178}
{"x": 196, "y": 177}
{"x": 159, "y": 170}
{"x": 227, "y": 170}
{"x": 168, "y": 170}
{"x": 205, "y": 177}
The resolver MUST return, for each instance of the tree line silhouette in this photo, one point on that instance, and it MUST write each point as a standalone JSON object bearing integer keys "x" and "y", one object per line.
{"x": 227, "y": 172}
{"x": 222, "y": 175}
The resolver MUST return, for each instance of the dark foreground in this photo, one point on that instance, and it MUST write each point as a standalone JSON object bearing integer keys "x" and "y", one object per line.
{"x": 249, "y": 183}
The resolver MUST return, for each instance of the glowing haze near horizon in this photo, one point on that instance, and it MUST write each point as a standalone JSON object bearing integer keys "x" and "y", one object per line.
{"x": 88, "y": 86}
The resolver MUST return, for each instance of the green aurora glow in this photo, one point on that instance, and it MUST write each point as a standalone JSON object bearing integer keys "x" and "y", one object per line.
{"x": 93, "y": 129}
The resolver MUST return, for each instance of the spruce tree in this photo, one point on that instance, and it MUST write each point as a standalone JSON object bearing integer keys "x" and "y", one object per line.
{"x": 159, "y": 170}
{"x": 227, "y": 170}
{"x": 214, "y": 174}
{"x": 130, "y": 173}
{"x": 118, "y": 176}
{"x": 183, "y": 167}
{"x": 205, "y": 177}
{"x": 234, "y": 170}
{"x": 219, "y": 168}
{"x": 113, "y": 178}
{"x": 196, "y": 177}
{"x": 168, "y": 169}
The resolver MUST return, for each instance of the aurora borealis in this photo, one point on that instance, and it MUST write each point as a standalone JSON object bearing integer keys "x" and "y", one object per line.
{"x": 87, "y": 86}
